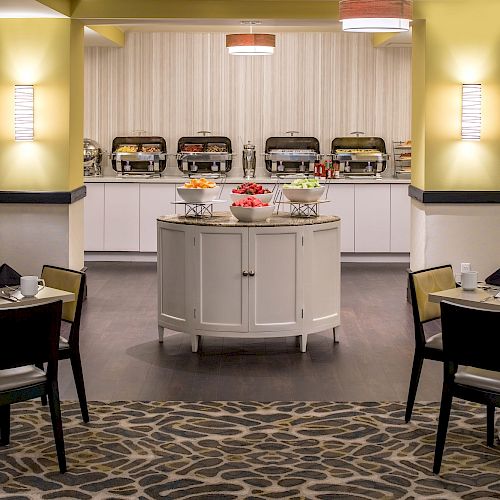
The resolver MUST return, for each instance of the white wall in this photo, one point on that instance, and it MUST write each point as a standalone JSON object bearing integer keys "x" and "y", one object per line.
{"x": 174, "y": 84}
{"x": 451, "y": 234}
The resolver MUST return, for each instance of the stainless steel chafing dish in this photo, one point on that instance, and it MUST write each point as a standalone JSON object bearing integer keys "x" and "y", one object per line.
{"x": 92, "y": 158}
{"x": 139, "y": 155}
{"x": 360, "y": 156}
{"x": 207, "y": 154}
{"x": 291, "y": 155}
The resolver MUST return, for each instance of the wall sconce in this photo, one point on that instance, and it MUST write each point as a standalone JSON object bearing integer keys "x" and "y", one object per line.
{"x": 23, "y": 112}
{"x": 471, "y": 111}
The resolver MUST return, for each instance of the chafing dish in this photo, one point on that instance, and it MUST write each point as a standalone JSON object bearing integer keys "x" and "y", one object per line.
{"x": 291, "y": 155}
{"x": 360, "y": 156}
{"x": 92, "y": 158}
{"x": 139, "y": 155}
{"x": 207, "y": 154}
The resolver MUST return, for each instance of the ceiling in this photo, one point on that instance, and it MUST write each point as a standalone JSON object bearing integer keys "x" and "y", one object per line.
{"x": 26, "y": 8}
{"x": 34, "y": 9}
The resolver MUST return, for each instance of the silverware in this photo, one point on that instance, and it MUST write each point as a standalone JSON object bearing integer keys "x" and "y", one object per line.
{"x": 8, "y": 297}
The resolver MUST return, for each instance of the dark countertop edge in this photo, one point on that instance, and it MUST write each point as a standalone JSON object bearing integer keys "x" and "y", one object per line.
{"x": 293, "y": 221}
{"x": 453, "y": 197}
{"x": 44, "y": 197}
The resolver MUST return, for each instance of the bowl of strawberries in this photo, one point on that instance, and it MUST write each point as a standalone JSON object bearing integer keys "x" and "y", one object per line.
{"x": 251, "y": 189}
{"x": 251, "y": 209}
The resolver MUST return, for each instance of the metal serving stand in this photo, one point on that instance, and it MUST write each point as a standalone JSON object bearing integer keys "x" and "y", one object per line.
{"x": 203, "y": 209}
{"x": 298, "y": 208}
{"x": 123, "y": 162}
{"x": 402, "y": 158}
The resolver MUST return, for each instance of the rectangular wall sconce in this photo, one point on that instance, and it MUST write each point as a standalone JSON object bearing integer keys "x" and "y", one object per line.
{"x": 471, "y": 111}
{"x": 24, "y": 112}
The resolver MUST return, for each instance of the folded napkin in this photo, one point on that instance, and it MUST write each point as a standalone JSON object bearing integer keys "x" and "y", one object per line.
{"x": 494, "y": 279}
{"x": 9, "y": 276}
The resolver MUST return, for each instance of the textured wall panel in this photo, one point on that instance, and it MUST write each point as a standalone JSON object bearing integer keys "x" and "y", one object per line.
{"x": 174, "y": 84}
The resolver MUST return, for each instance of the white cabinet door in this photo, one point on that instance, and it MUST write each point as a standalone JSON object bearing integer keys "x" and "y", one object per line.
{"x": 322, "y": 279}
{"x": 341, "y": 197}
{"x": 94, "y": 217}
{"x": 275, "y": 259}
{"x": 400, "y": 218}
{"x": 175, "y": 250}
{"x": 221, "y": 258}
{"x": 372, "y": 205}
{"x": 121, "y": 217}
{"x": 155, "y": 200}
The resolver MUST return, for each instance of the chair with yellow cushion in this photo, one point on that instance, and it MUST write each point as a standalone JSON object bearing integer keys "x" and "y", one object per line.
{"x": 71, "y": 281}
{"x": 421, "y": 284}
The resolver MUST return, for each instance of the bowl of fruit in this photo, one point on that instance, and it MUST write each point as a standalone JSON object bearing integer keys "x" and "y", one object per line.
{"x": 251, "y": 209}
{"x": 303, "y": 190}
{"x": 251, "y": 189}
{"x": 198, "y": 191}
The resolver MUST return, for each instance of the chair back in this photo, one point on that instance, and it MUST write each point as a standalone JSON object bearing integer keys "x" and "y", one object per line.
{"x": 422, "y": 283}
{"x": 29, "y": 335}
{"x": 70, "y": 281}
{"x": 471, "y": 336}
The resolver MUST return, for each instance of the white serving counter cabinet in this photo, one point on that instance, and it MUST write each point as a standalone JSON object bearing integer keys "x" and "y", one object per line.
{"x": 120, "y": 216}
{"x": 223, "y": 278}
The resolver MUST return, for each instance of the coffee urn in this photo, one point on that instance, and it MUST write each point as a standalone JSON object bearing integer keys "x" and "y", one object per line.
{"x": 249, "y": 160}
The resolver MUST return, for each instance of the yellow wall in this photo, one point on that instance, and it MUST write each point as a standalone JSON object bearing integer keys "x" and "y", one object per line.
{"x": 459, "y": 42}
{"x": 47, "y": 53}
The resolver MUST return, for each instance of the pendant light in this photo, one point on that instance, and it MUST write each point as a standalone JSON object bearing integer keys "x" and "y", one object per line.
{"x": 251, "y": 44}
{"x": 373, "y": 16}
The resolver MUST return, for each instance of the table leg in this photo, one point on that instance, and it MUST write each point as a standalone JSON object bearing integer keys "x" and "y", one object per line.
{"x": 195, "y": 342}
{"x": 161, "y": 332}
{"x": 303, "y": 342}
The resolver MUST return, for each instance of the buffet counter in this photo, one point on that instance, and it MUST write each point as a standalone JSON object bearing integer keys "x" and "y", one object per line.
{"x": 121, "y": 213}
{"x": 223, "y": 278}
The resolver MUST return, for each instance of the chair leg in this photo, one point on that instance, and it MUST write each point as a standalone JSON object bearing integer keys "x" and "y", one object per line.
{"x": 55, "y": 415}
{"x": 76, "y": 365}
{"x": 418, "y": 361}
{"x": 4, "y": 425}
{"x": 490, "y": 424}
{"x": 444, "y": 418}
{"x": 44, "y": 397}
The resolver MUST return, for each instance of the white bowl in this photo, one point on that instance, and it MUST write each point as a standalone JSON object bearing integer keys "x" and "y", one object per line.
{"x": 308, "y": 195}
{"x": 264, "y": 198}
{"x": 198, "y": 195}
{"x": 252, "y": 214}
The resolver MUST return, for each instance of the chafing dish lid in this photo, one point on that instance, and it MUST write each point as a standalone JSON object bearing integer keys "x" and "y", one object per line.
{"x": 292, "y": 143}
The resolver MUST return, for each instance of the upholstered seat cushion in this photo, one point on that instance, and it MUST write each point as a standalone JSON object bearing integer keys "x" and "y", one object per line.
{"x": 435, "y": 342}
{"x": 478, "y": 378}
{"x": 24, "y": 376}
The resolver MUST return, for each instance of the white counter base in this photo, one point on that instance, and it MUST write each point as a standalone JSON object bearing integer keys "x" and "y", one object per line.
{"x": 244, "y": 281}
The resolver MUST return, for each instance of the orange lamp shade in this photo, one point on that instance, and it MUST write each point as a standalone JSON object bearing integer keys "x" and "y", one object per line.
{"x": 251, "y": 44}
{"x": 375, "y": 15}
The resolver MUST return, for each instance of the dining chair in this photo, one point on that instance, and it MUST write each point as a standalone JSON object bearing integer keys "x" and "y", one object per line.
{"x": 71, "y": 281}
{"x": 422, "y": 283}
{"x": 471, "y": 345}
{"x": 30, "y": 336}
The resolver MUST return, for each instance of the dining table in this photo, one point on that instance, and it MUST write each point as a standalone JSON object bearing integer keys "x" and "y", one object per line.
{"x": 483, "y": 296}
{"x": 10, "y": 297}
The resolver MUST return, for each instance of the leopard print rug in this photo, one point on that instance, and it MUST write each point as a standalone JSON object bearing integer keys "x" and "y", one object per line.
{"x": 252, "y": 451}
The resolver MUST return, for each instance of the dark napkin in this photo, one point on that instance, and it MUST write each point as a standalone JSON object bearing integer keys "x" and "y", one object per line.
{"x": 8, "y": 276}
{"x": 494, "y": 279}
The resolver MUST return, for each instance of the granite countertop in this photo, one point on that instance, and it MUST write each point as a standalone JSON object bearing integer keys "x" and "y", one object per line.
{"x": 225, "y": 219}
{"x": 167, "y": 179}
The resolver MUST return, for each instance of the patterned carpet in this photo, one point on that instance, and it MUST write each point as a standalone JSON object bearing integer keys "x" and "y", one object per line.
{"x": 228, "y": 450}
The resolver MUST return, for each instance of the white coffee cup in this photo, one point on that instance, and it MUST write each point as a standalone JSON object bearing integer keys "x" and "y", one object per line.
{"x": 469, "y": 280}
{"x": 29, "y": 285}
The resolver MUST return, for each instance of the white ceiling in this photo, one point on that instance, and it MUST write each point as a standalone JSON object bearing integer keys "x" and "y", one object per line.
{"x": 25, "y": 8}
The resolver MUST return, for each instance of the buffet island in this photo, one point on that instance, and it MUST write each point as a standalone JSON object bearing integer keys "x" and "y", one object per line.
{"x": 220, "y": 277}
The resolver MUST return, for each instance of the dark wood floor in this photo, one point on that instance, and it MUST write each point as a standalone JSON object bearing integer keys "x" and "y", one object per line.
{"x": 122, "y": 358}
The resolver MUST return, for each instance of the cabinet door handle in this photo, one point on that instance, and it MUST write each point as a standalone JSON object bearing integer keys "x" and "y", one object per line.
{"x": 251, "y": 273}
{"x": 245, "y": 273}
